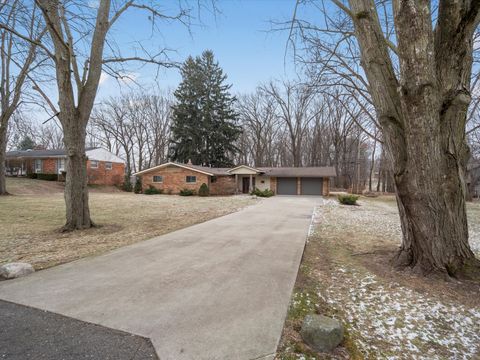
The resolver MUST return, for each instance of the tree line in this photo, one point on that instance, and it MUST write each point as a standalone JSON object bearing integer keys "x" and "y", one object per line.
{"x": 280, "y": 124}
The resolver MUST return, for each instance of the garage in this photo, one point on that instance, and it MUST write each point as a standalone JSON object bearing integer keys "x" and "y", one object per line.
{"x": 312, "y": 186}
{"x": 287, "y": 186}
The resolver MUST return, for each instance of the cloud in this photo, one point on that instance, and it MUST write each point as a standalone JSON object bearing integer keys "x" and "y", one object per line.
{"x": 125, "y": 78}
{"x": 103, "y": 78}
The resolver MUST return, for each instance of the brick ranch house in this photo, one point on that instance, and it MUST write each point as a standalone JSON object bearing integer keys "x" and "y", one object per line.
{"x": 103, "y": 167}
{"x": 172, "y": 177}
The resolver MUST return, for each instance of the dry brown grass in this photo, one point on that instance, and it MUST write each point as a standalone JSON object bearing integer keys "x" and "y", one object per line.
{"x": 29, "y": 224}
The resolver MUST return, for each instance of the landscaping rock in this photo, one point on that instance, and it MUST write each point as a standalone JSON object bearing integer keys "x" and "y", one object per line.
{"x": 322, "y": 333}
{"x": 15, "y": 270}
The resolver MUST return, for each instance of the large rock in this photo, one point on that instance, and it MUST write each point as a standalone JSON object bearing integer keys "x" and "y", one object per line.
{"x": 14, "y": 270}
{"x": 322, "y": 333}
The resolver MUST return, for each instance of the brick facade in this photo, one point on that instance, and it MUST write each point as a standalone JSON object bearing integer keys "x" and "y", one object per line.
{"x": 49, "y": 166}
{"x": 103, "y": 176}
{"x": 96, "y": 176}
{"x": 326, "y": 186}
{"x": 273, "y": 184}
{"x": 174, "y": 179}
{"x": 223, "y": 185}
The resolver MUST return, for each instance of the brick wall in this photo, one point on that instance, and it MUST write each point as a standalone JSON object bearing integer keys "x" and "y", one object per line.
{"x": 224, "y": 185}
{"x": 104, "y": 176}
{"x": 326, "y": 186}
{"x": 273, "y": 184}
{"x": 174, "y": 179}
{"x": 49, "y": 166}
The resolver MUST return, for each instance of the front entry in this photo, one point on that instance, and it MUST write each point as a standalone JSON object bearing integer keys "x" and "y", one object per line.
{"x": 246, "y": 184}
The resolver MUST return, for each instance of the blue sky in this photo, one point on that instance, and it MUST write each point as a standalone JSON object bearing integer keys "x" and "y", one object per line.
{"x": 239, "y": 36}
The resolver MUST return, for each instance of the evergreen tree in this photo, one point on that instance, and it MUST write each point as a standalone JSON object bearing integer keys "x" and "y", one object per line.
{"x": 26, "y": 144}
{"x": 204, "y": 127}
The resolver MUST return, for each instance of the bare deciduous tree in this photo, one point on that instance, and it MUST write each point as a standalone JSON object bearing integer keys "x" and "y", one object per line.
{"x": 77, "y": 46}
{"x": 17, "y": 58}
{"x": 417, "y": 74}
{"x": 135, "y": 126}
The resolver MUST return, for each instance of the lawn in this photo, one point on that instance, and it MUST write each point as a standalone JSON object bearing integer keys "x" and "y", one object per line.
{"x": 346, "y": 273}
{"x": 29, "y": 224}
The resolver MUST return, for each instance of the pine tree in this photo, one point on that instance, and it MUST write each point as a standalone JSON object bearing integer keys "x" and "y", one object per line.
{"x": 204, "y": 127}
{"x": 26, "y": 144}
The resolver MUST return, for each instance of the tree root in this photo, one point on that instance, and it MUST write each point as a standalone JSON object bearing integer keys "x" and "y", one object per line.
{"x": 468, "y": 270}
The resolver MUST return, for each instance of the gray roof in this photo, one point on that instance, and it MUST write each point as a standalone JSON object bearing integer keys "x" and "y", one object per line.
{"x": 312, "y": 171}
{"x": 211, "y": 170}
{"x": 315, "y": 171}
{"x": 59, "y": 153}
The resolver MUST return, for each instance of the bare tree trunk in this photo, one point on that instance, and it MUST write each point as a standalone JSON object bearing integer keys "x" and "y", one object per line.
{"x": 3, "y": 149}
{"x": 372, "y": 163}
{"x": 76, "y": 191}
{"x": 423, "y": 121}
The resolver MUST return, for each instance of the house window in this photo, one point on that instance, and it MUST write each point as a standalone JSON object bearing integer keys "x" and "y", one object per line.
{"x": 38, "y": 165}
{"x": 157, "y": 179}
{"x": 60, "y": 165}
{"x": 213, "y": 179}
{"x": 191, "y": 179}
{"x": 108, "y": 166}
{"x": 93, "y": 164}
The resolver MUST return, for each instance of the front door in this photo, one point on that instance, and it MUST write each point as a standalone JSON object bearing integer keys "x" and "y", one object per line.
{"x": 246, "y": 184}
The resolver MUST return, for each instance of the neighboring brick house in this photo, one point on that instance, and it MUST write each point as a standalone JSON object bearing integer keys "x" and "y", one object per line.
{"x": 103, "y": 167}
{"x": 172, "y": 177}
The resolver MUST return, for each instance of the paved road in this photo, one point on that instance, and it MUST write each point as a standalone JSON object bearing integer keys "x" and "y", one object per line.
{"x": 216, "y": 290}
{"x": 28, "y": 333}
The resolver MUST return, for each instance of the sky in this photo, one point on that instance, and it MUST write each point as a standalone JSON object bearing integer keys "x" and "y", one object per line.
{"x": 240, "y": 35}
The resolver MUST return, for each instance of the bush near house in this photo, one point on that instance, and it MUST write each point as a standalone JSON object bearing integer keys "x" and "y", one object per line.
{"x": 48, "y": 177}
{"x": 153, "y": 191}
{"x": 264, "y": 193}
{"x": 127, "y": 184}
{"x": 137, "y": 189}
{"x": 348, "y": 199}
{"x": 187, "y": 192}
{"x": 203, "y": 190}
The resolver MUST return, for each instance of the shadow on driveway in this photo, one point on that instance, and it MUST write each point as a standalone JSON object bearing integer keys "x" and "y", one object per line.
{"x": 28, "y": 333}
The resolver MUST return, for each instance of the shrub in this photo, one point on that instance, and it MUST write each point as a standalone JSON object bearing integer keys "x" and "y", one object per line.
{"x": 262, "y": 193}
{"x": 203, "y": 190}
{"x": 348, "y": 199}
{"x": 137, "y": 189}
{"x": 48, "y": 177}
{"x": 187, "y": 192}
{"x": 127, "y": 184}
{"x": 32, "y": 175}
{"x": 153, "y": 191}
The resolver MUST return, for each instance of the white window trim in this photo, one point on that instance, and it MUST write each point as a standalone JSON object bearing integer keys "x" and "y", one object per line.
{"x": 111, "y": 165}
{"x": 191, "y": 182}
{"x": 61, "y": 169}
{"x": 92, "y": 162}
{"x": 157, "y": 182}
{"x": 38, "y": 170}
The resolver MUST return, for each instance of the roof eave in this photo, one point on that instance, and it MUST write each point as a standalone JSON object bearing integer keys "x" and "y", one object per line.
{"x": 171, "y": 164}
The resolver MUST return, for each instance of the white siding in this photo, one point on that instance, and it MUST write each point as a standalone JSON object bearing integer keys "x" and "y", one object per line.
{"x": 243, "y": 171}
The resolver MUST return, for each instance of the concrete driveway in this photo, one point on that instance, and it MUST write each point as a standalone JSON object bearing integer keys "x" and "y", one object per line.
{"x": 216, "y": 290}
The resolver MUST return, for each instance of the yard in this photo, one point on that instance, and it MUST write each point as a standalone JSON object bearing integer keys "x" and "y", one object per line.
{"x": 30, "y": 220}
{"x": 345, "y": 273}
